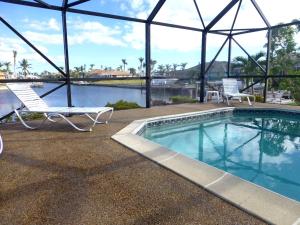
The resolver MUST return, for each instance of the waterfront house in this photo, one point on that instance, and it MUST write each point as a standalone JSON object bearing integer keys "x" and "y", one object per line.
{"x": 98, "y": 73}
{"x": 2, "y": 75}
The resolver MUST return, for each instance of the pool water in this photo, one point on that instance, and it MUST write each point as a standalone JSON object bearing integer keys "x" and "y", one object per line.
{"x": 263, "y": 149}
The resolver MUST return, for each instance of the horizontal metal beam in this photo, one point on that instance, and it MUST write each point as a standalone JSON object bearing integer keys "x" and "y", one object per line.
{"x": 263, "y": 76}
{"x": 32, "y": 4}
{"x": 250, "y": 31}
{"x": 4, "y": 81}
{"x": 239, "y": 29}
{"x": 296, "y": 22}
{"x": 105, "y": 15}
{"x": 129, "y": 78}
{"x": 43, "y": 3}
{"x": 247, "y": 76}
{"x": 106, "y": 78}
{"x": 218, "y": 32}
{"x": 176, "y": 26}
{"x": 284, "y": 76}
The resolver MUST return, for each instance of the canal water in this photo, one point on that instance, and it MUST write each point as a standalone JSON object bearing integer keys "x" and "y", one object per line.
{"x": 85, "y": 96}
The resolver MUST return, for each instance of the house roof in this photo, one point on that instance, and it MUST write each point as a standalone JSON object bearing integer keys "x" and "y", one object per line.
{"x": 98, "y": 72}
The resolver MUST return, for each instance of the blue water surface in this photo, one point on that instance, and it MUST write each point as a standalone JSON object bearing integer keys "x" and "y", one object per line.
{"x": 263, "y": 149}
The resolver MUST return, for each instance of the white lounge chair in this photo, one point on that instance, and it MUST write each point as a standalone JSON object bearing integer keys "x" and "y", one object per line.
{"x": 34, "y": 104}
{"x": 231, "y": 90}
{"x": 1, "y": 144}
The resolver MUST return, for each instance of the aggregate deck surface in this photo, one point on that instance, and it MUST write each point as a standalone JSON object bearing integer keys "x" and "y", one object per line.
{"x": 56, "y": 175}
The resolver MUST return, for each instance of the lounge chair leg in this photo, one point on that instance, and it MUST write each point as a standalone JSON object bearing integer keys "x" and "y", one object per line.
{"x": 249, "y": 101}
{"x": 227, "y": 100}
{"x": 23, "y": 122}
{"x": 72, "y": 124}
{"x": 96, "y": 121}
{"x": 49, "y": 118}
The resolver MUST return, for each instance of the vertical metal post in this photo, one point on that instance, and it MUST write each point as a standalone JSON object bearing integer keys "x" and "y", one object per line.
{"x": 229, "y": 55}
{"x": 148, "y": 63}
{"x": 66, "y": 54}
{"x": 203, "y": 66}
{"x": 267, "y": 63}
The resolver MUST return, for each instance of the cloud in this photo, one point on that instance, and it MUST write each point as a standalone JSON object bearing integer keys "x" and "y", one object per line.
{"x": 94, "y": 32}
{"x": 7, "y": 45}
{"x": 53, "y": 24}
{"x": 81, "y": 32}
{"x": 95, "y": 38}
{"x": 50, "y": 24}
{"x": 137, "y": 4}
{"x": 44, "y": 37}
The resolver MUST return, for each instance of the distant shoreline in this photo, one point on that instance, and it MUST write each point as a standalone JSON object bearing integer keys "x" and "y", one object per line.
{"x": 113, "y": 85}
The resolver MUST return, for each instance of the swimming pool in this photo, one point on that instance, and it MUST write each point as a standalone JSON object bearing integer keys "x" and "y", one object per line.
{"x": 262, "y": 147}
{"x": 248, "y": 157}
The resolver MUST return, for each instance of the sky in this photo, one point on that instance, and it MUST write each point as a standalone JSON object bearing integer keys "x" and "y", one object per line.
{"x": 105, "y": 42}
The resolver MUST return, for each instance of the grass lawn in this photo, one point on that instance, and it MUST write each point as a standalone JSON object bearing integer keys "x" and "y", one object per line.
{"x": 121, "y": 82}
{"x": 294, "y": 104}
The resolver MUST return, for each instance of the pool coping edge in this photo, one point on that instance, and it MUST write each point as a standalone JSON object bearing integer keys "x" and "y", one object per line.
{"x": 259, "y": 201}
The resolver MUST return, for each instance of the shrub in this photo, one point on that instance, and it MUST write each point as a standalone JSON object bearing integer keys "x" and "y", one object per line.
{"x": 121, "y": 105}
{"x": 158, "y": 102}
{"x": 26, "y": 117}
{"x": 182, "y": 99}
{"x": 259, "y": 98}
{"x": 293, "y": 86}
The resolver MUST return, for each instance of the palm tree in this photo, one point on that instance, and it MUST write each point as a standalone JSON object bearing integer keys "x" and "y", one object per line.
{"x": 91, "y": 67}
{"x": 168, "y": 68}
{"x": 247, "y": 66}
{"x": 124, "y": 63}
{"x": 161, "y": 69}
{"x": 7, "y": 65}
{"x": 24, "y": 66}
{"x": 183, "y": 65}
{"x": 119, "y": 68}
{"x": 141, "y": 59}
{"x": 1, "y": 64}
{"x": 15, "y": 57}
{"x": 77, "y": 71}
{"x": 152, "y": 64}
{"x": 132, "y": 71}
{"x": 82, "y": 70}
{"x": 174, "y": 68}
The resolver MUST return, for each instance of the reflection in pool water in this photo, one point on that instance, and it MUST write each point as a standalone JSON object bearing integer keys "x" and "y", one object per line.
{"x": 263, "y": 149}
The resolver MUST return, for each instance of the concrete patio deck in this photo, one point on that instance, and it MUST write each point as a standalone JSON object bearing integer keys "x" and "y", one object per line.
{"x": 56, "y": 175}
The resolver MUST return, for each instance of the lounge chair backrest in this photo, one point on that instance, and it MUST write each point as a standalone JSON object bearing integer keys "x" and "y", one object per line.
{"x": 230, "y": 85}
{"x": 27, "y": 96}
